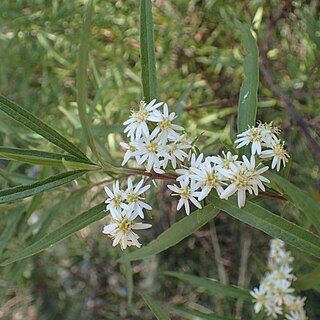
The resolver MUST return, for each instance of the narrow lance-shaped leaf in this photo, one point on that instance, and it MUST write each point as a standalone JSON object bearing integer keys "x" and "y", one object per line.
{"x": 271, "y": 224}
{"x": 174, "y": 234}
{"x": 248, "y": 99}
{"x": 30, "y": 121}
{"x": 155, "y": 307}
{"x": 82, "y": 79}
{"x": 308, "y": 206}
{"x": 44, "y": 158}
{"x": 212, "y": 286}
{"x": 66, "y": 230}
{"x": 25, "y": 191}
{"x": 148, "y": 64}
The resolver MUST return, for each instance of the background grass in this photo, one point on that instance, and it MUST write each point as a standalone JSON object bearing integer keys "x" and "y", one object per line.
{"x": 200, "y": 70}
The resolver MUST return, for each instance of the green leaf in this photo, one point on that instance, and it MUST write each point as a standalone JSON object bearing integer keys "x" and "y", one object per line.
{"x": 191, "y": 314}
{"x": 309, "y": 281}
{"x": 30, "y": 121}
{"x": 154, "y": 306}
{"x": 148, "y": 64}
{"x": 271, "y": 224}
{"x": 10, "y": 228}
{"x": 308, "y": 206}
{"x": 248, "y": 99}
{"x": 212, "y": 286}
{"x": 177, "y": 232}
{"x": 66, "y": 230}
{"x": 82, "y": 91}
{"x": 25, "y": 191}
{"x": 44, "y": 158}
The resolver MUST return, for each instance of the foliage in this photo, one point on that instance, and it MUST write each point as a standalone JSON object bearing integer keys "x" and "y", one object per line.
{"x": 60, "y": 146}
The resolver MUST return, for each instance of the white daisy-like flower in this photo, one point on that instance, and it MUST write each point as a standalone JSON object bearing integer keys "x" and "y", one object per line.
{"x": 174, "y": 152}
{"x": 297, "y": 315}
{"x": 296, "y": 304}
{"x": 278, "y": 153}
{"x": 121, "y": 230}
{"x": 282, "y": 289}
{"x": 260, "y": 298}
{"x": 186, "y": 192}
{"x": 207, "y": 178}
{"x": 131, "y": 152}
{"x": 186, "y": 172}
{"x": 272, "y": 309}
{"x": 137, "y": 123}
{"x": 224, "y": 161}
{"x": 269, "y": 133}
{"x": 134, "y": 199}
{"x": 116, "y": 199}
{"x": 148, "y": 150}
{"x": 165, "y": 128}
{"x": 254, "y": 136}
{"x": 256, "y": 178}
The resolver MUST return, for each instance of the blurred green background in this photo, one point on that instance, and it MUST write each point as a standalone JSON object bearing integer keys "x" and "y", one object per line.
{"x": 200, "y": 71}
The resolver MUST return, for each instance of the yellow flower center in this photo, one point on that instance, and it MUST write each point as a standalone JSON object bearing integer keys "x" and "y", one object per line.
{"x": 141, "y": 115}
{"x": 164, "y": 124}
{"x": 254, "y": 135}
{"x": 211, "y": 180}
{"x": 185, "y": 193}
{"x": 132, "y": 148}
{"x": 152, "y": 147}
{"x": 132, "y": 197}
{"x": 117, "y": 201}
{"x": 241, "y": 180}
{"x": 125, "y": 225}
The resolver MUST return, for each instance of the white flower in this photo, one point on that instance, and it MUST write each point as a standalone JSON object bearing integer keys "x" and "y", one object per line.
{"x": 133, "y": 197}
{"x": 296, "y": 304}
{"x": 279, "y": 154}
{"x": 120, "y": 230}
{"x": 297, "y": 315}
{"x": 148, "y": 150}
{"x": 224, "y": 161}
{"x": 195, "y": 162}
{"x": 173, "y": 152}
{"x": 282, "y": 289}
{"x": 164, "y": 124}
{"x": 186, "y": 193}
{"x": 115, "y": 200}
{"x": 256, "y": 178}
{"x": 137, "y": 123}
{"x": 131, "y": 152}
{"x": 272, "y": 309}
{"x": 260, "y": 297}
{"x": 252, "y": 135}
{"x": 207, "y": 178}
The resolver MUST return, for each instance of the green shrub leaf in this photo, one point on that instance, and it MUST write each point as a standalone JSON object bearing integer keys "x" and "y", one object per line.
{"x": 69, "y": 228}
{"x": 177, "y": 232}
{"x": 308, "y": 206}
{"x": 148, "y": 64}
{"x": 212, "y": 286}
{"x": 30, "y": 121}
{"x": 42, "y": 157}
{"x": 25, "y": 191}
{"x": 271, "y": 224}
{"x": 248, "y": 100}
{"x": 155, "y": 307}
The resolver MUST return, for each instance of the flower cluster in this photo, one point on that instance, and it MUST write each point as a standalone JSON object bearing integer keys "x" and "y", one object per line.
{"x": 275, "y": 294}
{"x": 125, "y": 206}
{"x": 158, "y": 144}
{"x": 154, "y": 139}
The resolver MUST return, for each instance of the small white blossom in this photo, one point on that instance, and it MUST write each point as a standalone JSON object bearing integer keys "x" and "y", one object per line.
{"x": 137, "y": 123}
{"x": 116, "y": 199}
{"x": 174, "y": 152}
{"x": 278, "y": 153}
{"x": 133, "y": 197}
{"x": 131, "y": 152}
{"x": 186, "y": 172}
{"x": 165, "y": 128}
{"x": 260, "y": 298}
{"x": 254, "y": 136}
{"x": 225, "y": 161}
{"x": 297, "y": 315}
{"x": 186, "y": 193}
{"x": 121, "y": 230}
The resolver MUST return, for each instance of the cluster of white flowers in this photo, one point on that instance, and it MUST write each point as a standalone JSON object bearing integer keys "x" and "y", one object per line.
{"x": 275, "y": 295}
{"x": 159, "y": 145}
{"x": 125, "y": 206}
{"x": 154, "y": 140}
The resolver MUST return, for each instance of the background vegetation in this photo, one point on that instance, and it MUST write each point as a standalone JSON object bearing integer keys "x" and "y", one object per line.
{"x": 200, "y": 70}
